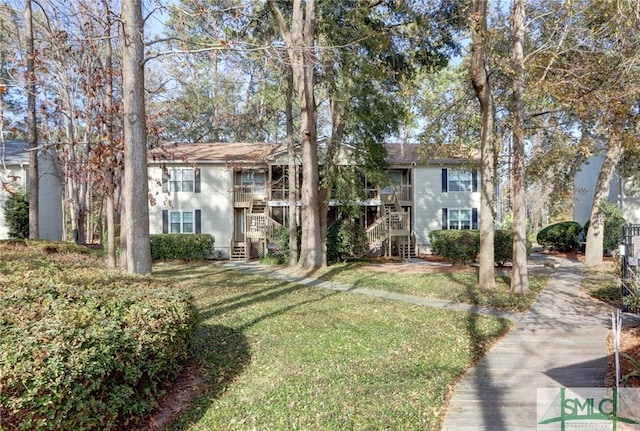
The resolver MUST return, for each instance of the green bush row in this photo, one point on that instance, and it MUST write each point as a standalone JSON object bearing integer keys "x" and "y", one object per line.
{"x": 463, "y": 246}
{"x": 82, "y": 347}
{"x": 181, "y": 246}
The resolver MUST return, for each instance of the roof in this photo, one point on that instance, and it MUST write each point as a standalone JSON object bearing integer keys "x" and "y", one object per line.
{"x": 236, "y": 152}
{"x": 259, "y": 152}
{"x": 14, "y": 152}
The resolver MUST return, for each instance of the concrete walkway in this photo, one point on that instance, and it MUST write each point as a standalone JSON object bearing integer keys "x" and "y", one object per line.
{"x": 560, "y": 342}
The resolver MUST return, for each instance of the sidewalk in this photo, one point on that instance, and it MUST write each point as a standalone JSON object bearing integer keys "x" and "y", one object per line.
{"x": 560, "y": 342}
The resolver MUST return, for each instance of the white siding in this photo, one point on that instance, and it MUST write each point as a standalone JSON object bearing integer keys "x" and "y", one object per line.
{"x": 429, "y": 201}
{"x": 214, "y": 200}
{"x": 50, "y": 192}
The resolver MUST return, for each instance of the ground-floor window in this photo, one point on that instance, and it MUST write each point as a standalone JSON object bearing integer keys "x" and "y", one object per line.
{"x": 459, "y": 218}
{"x": 181, "y": 221}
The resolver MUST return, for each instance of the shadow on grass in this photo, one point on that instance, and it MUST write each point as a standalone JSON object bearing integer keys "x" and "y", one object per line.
{"x": 225, "y": 352}
{"x": 221, "y": 354}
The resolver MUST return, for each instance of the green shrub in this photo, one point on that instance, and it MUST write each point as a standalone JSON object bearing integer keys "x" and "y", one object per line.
{"x": 16, "y": 215}
{"x": 563, "y": 236}
{"x": 613, "y": 222}
{"x": 271, "y": 259}
{"x": 181, "y": 246}
{"x": 345, "y": 239}
{"x": 458, "y": 246}
{"x": 82, "y": 347}
{"x": 503, "y": 246}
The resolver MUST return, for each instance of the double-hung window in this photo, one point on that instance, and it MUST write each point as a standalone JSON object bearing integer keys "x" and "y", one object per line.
{"x": 181, "y": 221}
{"x": 174, "y": 221}
{"x": 458, "y": 180}
{"x": 181, "y": 180}
{"x": 459, "y": 218}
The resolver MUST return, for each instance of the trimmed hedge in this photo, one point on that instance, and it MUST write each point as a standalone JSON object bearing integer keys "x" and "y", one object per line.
{"x": 562, "y": 236}
{"x": 82, "y": 347}
{"x": 458, "y": 246}
{"x": 181, "y": 246}
{"x": 462, "y": 246}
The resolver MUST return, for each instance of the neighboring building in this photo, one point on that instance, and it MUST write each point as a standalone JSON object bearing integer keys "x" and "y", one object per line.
{"x": 14, "y": 170}
{"x": 584, "y": 186}
{"x": 622, "y": 191}
{"x": 238, "y": 192}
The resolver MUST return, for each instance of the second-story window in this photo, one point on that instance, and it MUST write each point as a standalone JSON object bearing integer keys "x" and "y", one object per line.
{"x": 255, "y": 179}
{"x": 458, "y": 180}
{"x": 181, "y": 180}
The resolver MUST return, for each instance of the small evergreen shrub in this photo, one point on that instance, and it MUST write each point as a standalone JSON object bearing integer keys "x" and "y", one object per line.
{"x": 613, "y": 222}
{"x": 345, "y": 239}
{"x": 503, "y": 246}
{"x": 563, "y": 236}
{"x": 458, "y": 246}
{"x": 16, "y": 215}
{"x": 181, "y": 246}
{"x": 82, "y": 347}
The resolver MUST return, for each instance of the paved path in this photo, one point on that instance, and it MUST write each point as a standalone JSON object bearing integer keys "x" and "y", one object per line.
{"x": 560, "y": 342}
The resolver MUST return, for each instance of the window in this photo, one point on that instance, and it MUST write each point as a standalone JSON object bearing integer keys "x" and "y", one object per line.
{"x": 459, "y": 218}
{"x": 457, "y": 180}
{"x": 181, "y": 180}
{"x": 396, "y": 180}
{"x": 257, "y": 179}
{"x": 181, "y": 221}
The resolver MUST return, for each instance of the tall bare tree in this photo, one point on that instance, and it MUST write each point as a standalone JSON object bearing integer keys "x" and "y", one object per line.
{"x": 482, "y": 87}
{"x": 136, "y": 257}
{"x": 519, "y": 273}
{"x": 32, "y": 127}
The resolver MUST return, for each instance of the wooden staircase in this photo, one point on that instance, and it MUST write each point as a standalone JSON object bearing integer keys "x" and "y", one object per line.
{"x": 238, "y": 253}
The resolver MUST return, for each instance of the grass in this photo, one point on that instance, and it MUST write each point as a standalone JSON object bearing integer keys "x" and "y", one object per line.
{"x": 603, "y": 283}
{"x": 283, "y": 356}
{"x": 458, "y": 287}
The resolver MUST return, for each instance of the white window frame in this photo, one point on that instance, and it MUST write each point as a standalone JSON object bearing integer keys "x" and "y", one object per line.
{"x": 459, "y": 180}
{"x": 182, "y": 180}
{"x": 182, "y": 222}
{"x": 457, "y": 224}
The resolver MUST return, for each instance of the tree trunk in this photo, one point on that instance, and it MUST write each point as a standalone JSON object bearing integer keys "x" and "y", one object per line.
{"x": 482, "y": 87}
{"x": 299, "y": 41}
{"x": 595, "y": 235}
{"x": 293, "y": 174}
{"x": 519, "y": 272}
{"x": 135, "y": 189}
{"x": 111, "y": 164}
{"x": 32, "y": 127}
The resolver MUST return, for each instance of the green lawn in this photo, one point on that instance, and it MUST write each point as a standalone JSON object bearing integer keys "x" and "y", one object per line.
{"x": 457, "y": 287}
{"x": 282, "y": 356}
{"x": 603, "y": 283}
